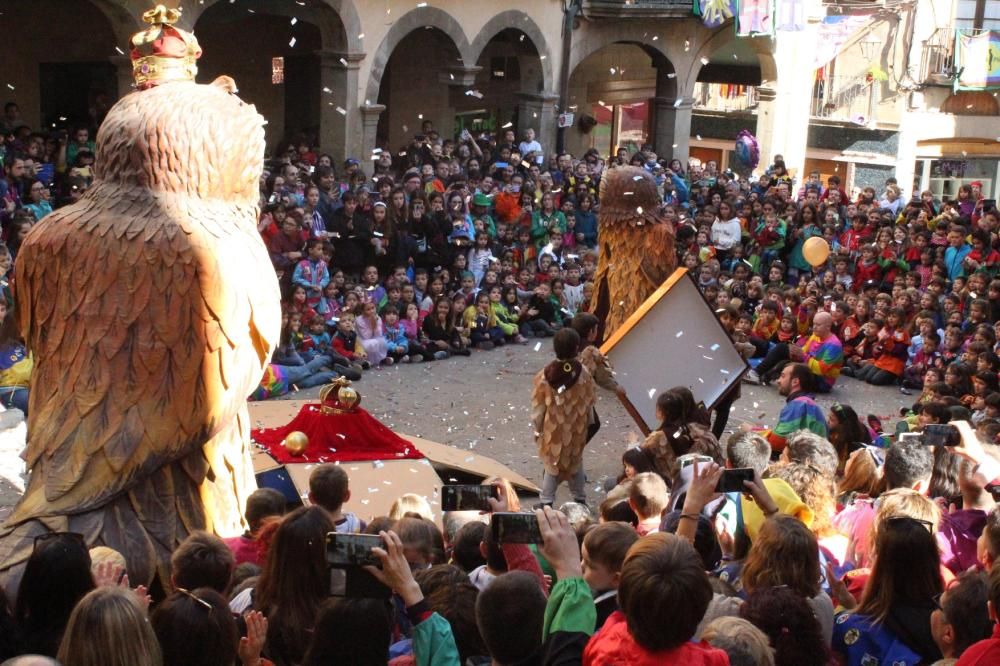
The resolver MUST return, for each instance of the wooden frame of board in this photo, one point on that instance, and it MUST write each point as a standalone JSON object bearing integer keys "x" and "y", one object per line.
{"x": 648, "y": 305}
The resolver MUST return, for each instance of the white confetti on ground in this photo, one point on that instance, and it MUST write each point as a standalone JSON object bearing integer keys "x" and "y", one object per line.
{"x": 13, "y": 435}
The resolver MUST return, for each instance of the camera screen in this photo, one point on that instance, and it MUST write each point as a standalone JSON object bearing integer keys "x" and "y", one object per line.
{"x": 352, "y": 549}
{"x": 515, "y": 528}
{"x": 466, "y": 497}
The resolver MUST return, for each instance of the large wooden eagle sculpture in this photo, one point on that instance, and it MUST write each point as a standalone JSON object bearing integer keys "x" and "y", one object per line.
{"x": 636, "y": 248}
{"x": 151, "y": 309}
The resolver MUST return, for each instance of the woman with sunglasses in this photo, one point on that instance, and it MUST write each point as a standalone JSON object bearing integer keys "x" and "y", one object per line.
{"x": 891, "y": 623}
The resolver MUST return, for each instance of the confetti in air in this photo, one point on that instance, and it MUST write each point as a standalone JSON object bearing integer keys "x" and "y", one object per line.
{"x": 291, "y": 42}
{"x": 652, "y": 392}
{"x": 679, "y": 334}
{"x": 538, "y": 346}
{"x": 294, "y": 20}
{"x": 341, "y": 110}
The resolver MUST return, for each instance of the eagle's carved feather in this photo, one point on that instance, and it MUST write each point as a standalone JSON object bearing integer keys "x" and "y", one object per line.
{"x": 151, "y": 310}
{"x": 636, "y": 246}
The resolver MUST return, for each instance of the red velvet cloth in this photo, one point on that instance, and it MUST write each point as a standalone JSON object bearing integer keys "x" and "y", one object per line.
{"x": 345, "y": 437}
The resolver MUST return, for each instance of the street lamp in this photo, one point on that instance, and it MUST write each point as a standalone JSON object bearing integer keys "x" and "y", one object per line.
{"x": 869, "y": 47}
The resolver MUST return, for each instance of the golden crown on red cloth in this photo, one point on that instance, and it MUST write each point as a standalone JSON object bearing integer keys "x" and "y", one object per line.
{"x": 343, "y": 400}
{"x": 163, "y": 53}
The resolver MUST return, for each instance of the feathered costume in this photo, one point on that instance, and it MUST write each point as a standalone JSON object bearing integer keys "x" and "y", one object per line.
{"x": 636, "y": 246}
{"x": 561, "y": 402}
{"x": 151, "y": 309}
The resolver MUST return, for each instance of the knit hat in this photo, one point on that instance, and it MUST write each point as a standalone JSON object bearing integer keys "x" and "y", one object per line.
{"x": 480, "y": 199}
{"x": 786, "y": 499}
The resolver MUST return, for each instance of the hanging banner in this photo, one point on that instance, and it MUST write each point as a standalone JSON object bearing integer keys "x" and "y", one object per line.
{"x": 791, "y": 15}
{"x": 977, "y": 60}
{"x": 756, "y": 18}
{"x": 714, "y": 13}
{"x": 833, "y": 33}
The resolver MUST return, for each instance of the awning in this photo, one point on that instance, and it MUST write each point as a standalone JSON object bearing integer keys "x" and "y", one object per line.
{"x": 961, "y": 147}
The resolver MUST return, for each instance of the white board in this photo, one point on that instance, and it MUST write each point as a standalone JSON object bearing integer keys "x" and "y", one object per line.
{"x": 673, "y": 339}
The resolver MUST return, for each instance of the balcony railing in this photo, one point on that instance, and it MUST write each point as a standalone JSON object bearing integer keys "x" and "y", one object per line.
{"x": 937, "y": 58}
{"x": 637, "y": 9}
{"x": 846, "y": 98}
{"x": 724, "y": 97}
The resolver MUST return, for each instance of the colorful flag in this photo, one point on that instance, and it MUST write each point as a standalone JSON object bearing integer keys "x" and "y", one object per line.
{"x": 977, "y": 59}
{"x": 756, "y": 18}
{"x": 714, "y": 13}
{"x": 791, "y": 15}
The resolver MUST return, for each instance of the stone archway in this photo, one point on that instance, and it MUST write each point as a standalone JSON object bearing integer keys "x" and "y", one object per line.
{"x": 626, "y": 88}
{"x": 423, "y": 81}
{"x": 320, "y": 70}
{"x": 515, "y": 77}
{"x": 338, "y": 20}
{"x": 516, "y": 20}
{"x": 65, "y": 85}
{"x": 416, "y": 19}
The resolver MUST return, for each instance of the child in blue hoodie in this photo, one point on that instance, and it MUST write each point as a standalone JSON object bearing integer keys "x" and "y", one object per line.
{"x": 395, "y": 336}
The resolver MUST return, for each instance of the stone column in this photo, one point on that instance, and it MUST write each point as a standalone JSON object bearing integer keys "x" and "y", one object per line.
{"x": 910, "y": 131}
{"x": 459, "y": 78}
{"x": 671, "y": 135}
{"x": 339, "y": 117}
{"x": 538, "y": 111}
{"x": 369, "y": 123}
{"x": 785, "y": 105}
{"x": 123, "y": 70}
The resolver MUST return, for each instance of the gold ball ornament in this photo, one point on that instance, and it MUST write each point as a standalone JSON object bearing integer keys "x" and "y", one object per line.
{"x": 348, "y": 397}
{"x": 816, "y": 251}
{"x": 296, "y": 443}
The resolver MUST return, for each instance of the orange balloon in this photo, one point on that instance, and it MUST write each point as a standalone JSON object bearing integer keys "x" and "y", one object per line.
{"x": 816, "y": 251}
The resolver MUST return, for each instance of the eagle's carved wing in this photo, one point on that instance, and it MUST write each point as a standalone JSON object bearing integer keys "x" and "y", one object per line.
{"x": 149, "y": 327}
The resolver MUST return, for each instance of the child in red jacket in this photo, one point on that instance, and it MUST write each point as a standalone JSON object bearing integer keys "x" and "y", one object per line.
{"x": 868, "y": 267}
{"x": 346, "y": 343}
{"x": 663, "y": 593}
